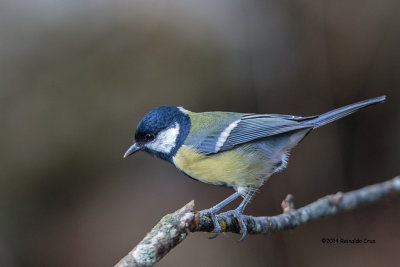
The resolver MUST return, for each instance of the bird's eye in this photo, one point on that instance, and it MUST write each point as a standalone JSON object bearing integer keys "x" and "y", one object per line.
{"x": 149, "y": 137}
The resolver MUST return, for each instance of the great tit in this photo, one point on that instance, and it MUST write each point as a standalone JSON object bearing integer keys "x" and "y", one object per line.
{"x": 236, "y": 150}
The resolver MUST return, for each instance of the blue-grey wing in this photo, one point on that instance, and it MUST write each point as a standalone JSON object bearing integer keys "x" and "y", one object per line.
{"x": 279, "y": 116}
{"x": 250, "y": 127}
{"x": 207, "y": 127}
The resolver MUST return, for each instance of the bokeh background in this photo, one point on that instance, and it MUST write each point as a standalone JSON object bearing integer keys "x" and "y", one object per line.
{"x": 76, "y": 77}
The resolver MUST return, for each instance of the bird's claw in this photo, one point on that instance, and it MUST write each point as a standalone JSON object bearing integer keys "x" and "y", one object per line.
{"x": 217, "y": 227}
{"x": 239, "y": 216}
{"x": 237, "y": 213}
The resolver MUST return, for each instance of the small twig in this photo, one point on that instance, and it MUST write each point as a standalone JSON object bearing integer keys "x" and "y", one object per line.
{"x": 288, "y": 203}
{"x": 173, "y": 228}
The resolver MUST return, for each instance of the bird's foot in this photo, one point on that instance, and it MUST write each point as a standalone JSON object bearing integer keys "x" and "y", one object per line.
{"x": 217, "y": 227}
{"x": 237, "y": 213}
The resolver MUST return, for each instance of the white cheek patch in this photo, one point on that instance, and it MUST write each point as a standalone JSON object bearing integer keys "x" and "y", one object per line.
{"x": 165, "y": 140}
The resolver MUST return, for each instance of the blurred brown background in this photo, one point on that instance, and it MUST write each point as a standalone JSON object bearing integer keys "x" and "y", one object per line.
{"x": 76, "y": 77}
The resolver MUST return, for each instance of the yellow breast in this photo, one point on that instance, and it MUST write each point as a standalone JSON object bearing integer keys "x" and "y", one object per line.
{"x": 233, "y": 168}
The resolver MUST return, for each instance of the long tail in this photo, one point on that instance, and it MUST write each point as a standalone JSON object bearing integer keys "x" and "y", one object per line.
{"x": 344, "y": 111}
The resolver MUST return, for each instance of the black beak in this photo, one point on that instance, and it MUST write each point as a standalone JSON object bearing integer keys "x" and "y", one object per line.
{"x": 134, "y": 148}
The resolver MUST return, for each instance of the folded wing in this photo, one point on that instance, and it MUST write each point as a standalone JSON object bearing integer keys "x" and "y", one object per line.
{"x": 250, "y": 127}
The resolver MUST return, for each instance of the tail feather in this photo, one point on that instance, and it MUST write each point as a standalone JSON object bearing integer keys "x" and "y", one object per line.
{"x": 344, "y": 111}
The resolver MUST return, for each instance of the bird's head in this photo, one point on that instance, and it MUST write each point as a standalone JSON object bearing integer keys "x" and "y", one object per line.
{"x": 161, "y": 132}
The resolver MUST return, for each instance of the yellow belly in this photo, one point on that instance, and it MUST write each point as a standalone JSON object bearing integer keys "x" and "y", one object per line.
{"x": 233, "y": 168}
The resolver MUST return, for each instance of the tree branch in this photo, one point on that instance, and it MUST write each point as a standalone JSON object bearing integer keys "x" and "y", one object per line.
{"x": 173, "y": 228}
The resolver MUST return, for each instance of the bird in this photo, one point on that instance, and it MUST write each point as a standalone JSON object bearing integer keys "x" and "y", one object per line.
{"x": 235, "y": 150}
